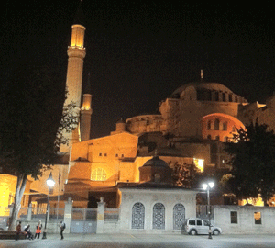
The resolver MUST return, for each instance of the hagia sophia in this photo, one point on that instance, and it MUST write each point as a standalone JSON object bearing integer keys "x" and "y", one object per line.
{"x": 193, "y": 123}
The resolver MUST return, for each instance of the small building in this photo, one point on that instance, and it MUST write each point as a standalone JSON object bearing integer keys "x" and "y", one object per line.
{"x": 155, "y": 205}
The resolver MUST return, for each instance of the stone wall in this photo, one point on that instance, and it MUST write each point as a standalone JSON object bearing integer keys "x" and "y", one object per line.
{"x": 237, "y": 219}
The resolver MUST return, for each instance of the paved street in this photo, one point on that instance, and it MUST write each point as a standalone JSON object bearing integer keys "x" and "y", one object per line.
{"x": 145, "y": 240}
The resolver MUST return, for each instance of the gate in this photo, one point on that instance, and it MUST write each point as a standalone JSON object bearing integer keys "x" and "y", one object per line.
{"x": 84, "y": 220}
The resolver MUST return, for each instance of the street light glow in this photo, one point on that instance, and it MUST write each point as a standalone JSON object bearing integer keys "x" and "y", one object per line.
{"x": 50, "y": 181}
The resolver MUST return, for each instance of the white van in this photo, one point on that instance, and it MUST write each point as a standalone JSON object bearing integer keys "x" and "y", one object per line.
{"x": 199, "y": 226}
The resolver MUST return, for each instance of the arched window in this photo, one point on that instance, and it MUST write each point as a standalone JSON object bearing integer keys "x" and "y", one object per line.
{"x": 98, "y": 174}
{"x": 216, "y": 124}
{"x": 159, "y": 216}
{"x": 209, "y": 124}
{"x": 178, "y": 216}
{"x": 138, "y": 216}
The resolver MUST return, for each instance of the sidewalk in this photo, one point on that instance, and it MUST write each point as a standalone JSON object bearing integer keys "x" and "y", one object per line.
{"x": 158, "y": 238}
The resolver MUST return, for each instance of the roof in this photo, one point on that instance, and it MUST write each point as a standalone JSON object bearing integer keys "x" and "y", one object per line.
{"x": 155, "y": 161}
{"x": 201, "y": 86}
{"x": 152, "y": 185}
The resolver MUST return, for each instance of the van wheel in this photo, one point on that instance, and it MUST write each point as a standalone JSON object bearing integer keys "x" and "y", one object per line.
{"x": 216, "y": 232}
{"x": 193, "y": 232}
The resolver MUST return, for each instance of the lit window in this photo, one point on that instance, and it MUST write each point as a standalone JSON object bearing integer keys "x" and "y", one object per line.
{"x": 216, "y": 124}
{"x": 257, "y": 218}
{"x": 98, "y": 175}
{"x": 233, "y": 217}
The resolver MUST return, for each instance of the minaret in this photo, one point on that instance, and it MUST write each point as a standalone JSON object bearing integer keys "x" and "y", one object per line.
{"x": 86, "y": 111}
{"x": 76, "y": 53}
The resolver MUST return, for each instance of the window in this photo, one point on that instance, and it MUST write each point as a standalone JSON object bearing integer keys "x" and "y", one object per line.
{"x": 199, "y": 222}
{"x": 205, "y": 222}
{"x": 216, "y": 96}
{"x": 257, "y": 218}
{"x": 233, "y": 217}
{"x": 105, "y": 154}
{"x": 138, "y": 216}
{"x": 230, "y": 98}
{"x": 223, "y": 97}
{"x": 116, "y": 155}
{"x": 209, "y": 137}
{"x": 159, "y": 216}
{"x": 192, "y": 222}
{"x": 100, "y": 154}
{"x": 216, "y": 124}
{"x": 209, "y": 125}
{"x": 217, "y": 138}
{"x": 98, "y": 175}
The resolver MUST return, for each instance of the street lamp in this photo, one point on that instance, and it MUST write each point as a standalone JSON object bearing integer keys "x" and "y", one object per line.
{"x": 50, "y": 183}
{"x": 208, "y": 186}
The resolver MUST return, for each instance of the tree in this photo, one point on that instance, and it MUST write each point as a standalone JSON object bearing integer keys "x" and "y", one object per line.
{"x": 253, "y": 162}
{"x": 31, "y": 124}
{"x": 185, "y": 175}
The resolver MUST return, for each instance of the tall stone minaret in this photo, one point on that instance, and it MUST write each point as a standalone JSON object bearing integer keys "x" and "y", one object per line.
{"x": 86, "y": 111}
{"x": 76, "y": 53}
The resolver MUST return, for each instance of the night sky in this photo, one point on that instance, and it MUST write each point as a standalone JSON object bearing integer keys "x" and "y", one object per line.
{"x": 139, "y": 52}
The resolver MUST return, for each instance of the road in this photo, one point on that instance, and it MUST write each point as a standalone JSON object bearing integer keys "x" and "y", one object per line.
{"x": 145, "y": 240}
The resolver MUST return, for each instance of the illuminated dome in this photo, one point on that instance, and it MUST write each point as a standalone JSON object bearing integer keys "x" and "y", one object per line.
{"x": 202, "y": 86}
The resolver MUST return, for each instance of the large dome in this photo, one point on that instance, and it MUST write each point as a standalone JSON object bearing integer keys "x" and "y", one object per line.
{"x": 202, "y": 86}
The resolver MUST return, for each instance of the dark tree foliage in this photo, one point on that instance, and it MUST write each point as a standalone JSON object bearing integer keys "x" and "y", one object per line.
{"x": 253, "y": 162}
{"x": 185, "y": 175}
{"x": 30, "y": 120}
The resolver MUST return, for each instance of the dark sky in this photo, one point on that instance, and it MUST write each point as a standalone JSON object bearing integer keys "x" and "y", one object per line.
{"x": 139, "y": 52}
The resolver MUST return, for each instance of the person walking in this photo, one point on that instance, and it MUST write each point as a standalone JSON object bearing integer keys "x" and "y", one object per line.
{"x": 62, "y": 228}
{"x": 38, "y": 229}
{"x": 18, "y": 230}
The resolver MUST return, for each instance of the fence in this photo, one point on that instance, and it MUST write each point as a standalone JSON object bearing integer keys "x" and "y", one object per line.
{"x": 111, "y": 214}
{"x": 202, "y": 212}
{"x": 84, "y": 213}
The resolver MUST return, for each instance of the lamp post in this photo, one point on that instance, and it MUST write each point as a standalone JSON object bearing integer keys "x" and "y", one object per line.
{"x": 208, "y": 186}
{"x": 50, "y": 183}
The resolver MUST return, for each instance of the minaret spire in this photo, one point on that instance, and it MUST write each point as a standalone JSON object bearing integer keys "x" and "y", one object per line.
{"x": 76, "y": 54}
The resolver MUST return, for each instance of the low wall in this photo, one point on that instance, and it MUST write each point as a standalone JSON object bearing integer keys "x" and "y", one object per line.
{"x": 245, "y": 220}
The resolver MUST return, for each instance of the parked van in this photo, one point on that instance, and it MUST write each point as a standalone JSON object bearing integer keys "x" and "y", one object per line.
{"x": 199, "y": 226}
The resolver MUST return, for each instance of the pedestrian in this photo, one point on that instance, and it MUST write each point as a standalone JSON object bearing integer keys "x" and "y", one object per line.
{"x": 38, "y": 229}
{"x": 62, "y": 228}
{"x": 18, "y": 230}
